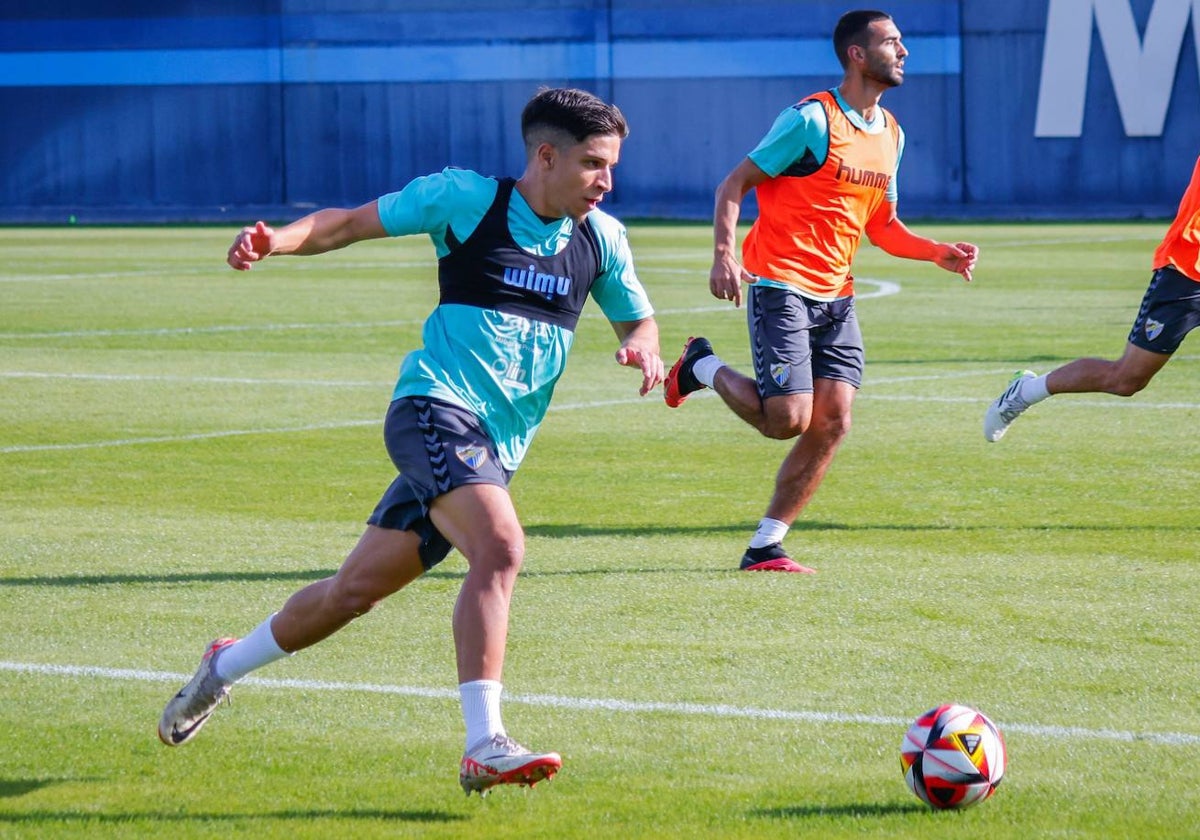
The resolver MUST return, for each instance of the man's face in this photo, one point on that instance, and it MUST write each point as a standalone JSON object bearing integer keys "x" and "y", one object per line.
{"x": 884, "y": 54}
{"x": 579, "y": 176}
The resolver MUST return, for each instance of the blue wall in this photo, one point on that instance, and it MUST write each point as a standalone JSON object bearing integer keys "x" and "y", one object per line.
{"x": 227, "y": 110}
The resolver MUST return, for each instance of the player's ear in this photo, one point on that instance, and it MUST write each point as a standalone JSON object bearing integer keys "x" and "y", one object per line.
{"x": 546, "y": 155}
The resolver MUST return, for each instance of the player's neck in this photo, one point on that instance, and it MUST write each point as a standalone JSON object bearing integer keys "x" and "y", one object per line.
{"x": 862, "y": 95}
{"x": 534, "y": 196}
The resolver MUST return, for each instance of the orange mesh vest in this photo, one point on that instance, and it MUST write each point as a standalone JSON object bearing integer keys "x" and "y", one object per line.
{"x": 809, "y": 227}
{"x": 1181, "y": 246}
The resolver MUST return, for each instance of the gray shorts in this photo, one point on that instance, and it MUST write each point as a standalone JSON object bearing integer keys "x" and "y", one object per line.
{"x": 1170, "y": 310}
{"x": 795, "y": 340}
{"x": 436, "y": 446}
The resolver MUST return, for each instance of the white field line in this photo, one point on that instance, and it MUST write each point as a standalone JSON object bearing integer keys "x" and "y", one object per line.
{"x": 105, "y": 444}
{"x": 226, "y": 328}
{"x": 604, "y": 705}
{"x": 883, "y": 288}
{"x": 576, "y": 406}
{"x": 190, "y": 380}
{"x": 168, "y": 273}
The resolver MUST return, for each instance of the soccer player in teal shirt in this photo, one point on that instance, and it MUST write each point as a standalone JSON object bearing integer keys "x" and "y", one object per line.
{"x": 517, "y": 260}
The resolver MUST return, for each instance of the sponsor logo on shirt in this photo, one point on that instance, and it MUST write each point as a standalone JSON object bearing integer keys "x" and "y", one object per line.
{"x": 867, "y": 178}
{"x": 548, "y": 286}
{"x": 863, "y": 177}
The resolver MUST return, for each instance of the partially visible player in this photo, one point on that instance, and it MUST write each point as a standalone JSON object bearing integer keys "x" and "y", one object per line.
{"x": 1170, "y": 310}
{"x": 517, "y": 260}
{"x": 824, "y": 174}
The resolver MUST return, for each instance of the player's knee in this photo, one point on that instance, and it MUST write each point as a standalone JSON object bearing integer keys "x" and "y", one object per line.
{"x": 349, "y": 597}
{"x": 500, "y": 557}
{"x": 784, "y": 429}
{"x": 832, "y": 427}
{"x": 785, "y": 425}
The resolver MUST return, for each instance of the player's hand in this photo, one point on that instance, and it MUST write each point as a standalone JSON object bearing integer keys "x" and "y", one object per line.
{"x": 251, "y": 245}
{"x": 651, "y": 364}
{"x": 726, "y": 278}
{"x": 959, "y": 258}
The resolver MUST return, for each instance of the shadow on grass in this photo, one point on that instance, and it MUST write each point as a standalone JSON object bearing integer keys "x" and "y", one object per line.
{"x": 20, "y": 787}
{"x": 306, "y": 576}
{"x": 573, "y": 531}
{"x": 68, "y": 581}
{"x": 854, "y": 810}
{"x": 131, "y": 818}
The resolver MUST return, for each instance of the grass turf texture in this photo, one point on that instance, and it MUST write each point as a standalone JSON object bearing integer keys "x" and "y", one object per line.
{"x": 182, "y": 446}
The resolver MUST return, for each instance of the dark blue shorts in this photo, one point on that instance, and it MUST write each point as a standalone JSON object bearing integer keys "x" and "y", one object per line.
{"x": 436, "y": 446}
{"x": 1170, "y": 310}
{"x": 795, "y": 340}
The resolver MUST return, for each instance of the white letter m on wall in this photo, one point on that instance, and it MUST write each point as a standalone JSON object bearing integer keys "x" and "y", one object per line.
{"x": 1142, "y": 72}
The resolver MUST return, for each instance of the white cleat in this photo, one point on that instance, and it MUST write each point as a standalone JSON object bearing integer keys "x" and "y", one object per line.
{"x": 196, "y": 701}
{"x": 1007, "y": 407}
{"x": 502, "y": 761}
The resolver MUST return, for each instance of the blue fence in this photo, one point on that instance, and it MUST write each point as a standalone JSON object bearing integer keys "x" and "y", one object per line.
{"x": 213, "y": 109}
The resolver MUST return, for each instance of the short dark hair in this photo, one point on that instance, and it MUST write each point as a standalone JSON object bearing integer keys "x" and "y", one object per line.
{"x": 851, "y": 30}
{"x": 569, "y": 112}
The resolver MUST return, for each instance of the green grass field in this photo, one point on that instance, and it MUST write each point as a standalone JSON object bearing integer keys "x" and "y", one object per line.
{"x": 182, "y": 446}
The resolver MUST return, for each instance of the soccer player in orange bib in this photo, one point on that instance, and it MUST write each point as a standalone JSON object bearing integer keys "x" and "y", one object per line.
{"x": 1170, "y": 310}
{"x": 824, "y": 174}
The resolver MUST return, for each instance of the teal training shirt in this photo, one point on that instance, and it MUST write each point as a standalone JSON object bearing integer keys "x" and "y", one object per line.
{"x": 500, "y": 366}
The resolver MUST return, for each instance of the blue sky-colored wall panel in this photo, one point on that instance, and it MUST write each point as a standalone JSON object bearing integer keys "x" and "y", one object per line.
{"x": 138, "y": 104}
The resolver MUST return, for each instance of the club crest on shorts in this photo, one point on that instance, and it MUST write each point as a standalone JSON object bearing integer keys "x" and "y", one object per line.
{"x": 780, "y": 374}
{"x": 1153, "y": 329}
{"x": 473, "y": 456}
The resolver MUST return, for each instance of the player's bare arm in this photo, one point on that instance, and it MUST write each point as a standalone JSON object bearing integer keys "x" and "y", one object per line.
{"x": 639, "y": 348}
{"x": 725, "y": 279}
{"x": 316, "y": 233}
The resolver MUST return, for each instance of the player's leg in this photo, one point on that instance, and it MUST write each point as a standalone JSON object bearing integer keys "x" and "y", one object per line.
{"x": 381, "y": 563}
{"x": 1170, "y": 309}
{"x": 809, "y": 360}
{"x": 778, "y": 326}
{"x": 397, "y": 546}
{"x": 480, "y": 521}
{"x": 805, "y": 466}
{"x": 1123, "y": 377}
{"x": 800, "y": 474}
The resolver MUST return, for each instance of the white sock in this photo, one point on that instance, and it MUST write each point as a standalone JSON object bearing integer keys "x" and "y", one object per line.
{"x": 245, "y": 655}
{"x": 1034, "y": 390}
{"x": 705, "y": 369}
{"x": 481, "y": 710}
{"x": 770, "y": 531}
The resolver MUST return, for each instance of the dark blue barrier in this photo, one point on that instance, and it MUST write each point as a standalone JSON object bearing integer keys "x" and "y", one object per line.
{"x": 207, "y": 110}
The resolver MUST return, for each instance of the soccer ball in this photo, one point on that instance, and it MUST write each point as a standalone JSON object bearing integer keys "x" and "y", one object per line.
{"x": 953, "y": 757}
